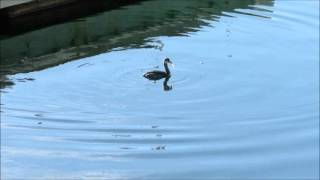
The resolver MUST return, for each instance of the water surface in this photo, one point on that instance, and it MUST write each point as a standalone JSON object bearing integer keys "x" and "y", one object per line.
{"x": 244, "y": 101}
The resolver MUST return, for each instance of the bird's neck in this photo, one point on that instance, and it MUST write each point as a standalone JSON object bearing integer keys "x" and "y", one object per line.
{"x": 166, "y": 68}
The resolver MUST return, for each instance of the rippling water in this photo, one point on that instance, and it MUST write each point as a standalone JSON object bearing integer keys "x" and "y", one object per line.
{"x": 244, "y": 101}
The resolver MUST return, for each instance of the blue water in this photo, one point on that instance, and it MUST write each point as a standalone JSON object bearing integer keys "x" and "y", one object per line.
{"x": 244, "y": 101}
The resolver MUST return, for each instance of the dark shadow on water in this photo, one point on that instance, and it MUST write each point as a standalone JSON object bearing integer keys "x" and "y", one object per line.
{"x": 106, "y": 31}
{"x": 5, "y": 82}
{"x": 43, "y": 18}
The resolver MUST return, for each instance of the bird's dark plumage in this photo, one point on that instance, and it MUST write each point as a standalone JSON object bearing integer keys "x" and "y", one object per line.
{"x": 156, "y": 75}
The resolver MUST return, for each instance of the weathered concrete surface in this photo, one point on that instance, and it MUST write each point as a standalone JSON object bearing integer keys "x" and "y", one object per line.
{"x": 41, "y": 13}
{"x": 7, "y": 3}
{"x": 27, "y": 7}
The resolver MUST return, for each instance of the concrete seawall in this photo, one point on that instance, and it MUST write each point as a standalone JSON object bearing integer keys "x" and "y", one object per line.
{"x": 35, "y": 14}
{"x": 7, "y": 3}
{"x": 19, "y": 8}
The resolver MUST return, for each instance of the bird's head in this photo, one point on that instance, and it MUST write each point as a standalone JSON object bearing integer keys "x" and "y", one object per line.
{"x": 168, "y": 61}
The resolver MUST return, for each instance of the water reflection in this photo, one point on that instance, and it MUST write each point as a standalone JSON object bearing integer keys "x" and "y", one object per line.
{"x": 5, "y": 82}
{"x": 166, "y": 87}
{"x": 88, "y": 36}
{"x": 13, "y": 24}
{"x": 244, "y": 103}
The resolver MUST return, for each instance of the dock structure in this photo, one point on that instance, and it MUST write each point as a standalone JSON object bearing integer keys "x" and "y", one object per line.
{"x": 15, "y": 8}
{"x": 18, "y": 16}
{"x": 8, "y": 3}
{"x": 10, "y": 9}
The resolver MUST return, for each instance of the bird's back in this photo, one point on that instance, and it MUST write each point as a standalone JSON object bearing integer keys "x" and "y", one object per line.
{"x": 155, "y": 75}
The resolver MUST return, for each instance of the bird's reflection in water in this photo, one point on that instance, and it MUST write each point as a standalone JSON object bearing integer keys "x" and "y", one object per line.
{"x": 166, "y": 87}
{"x": 157, "y": 75}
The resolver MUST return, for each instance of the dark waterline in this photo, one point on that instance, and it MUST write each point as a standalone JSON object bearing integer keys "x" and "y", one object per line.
{"x": 243, "y": 100}
{"x": 18, "y": 24}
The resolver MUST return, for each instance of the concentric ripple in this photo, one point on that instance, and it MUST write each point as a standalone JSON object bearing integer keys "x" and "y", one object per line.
{"x": 242, "y": 101}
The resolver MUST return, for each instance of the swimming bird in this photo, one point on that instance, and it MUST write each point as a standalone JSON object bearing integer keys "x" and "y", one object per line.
{"x": 156, "y": 75}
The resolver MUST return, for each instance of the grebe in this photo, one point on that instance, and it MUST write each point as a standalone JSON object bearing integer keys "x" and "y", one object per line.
{"x": 156, "y": 75}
